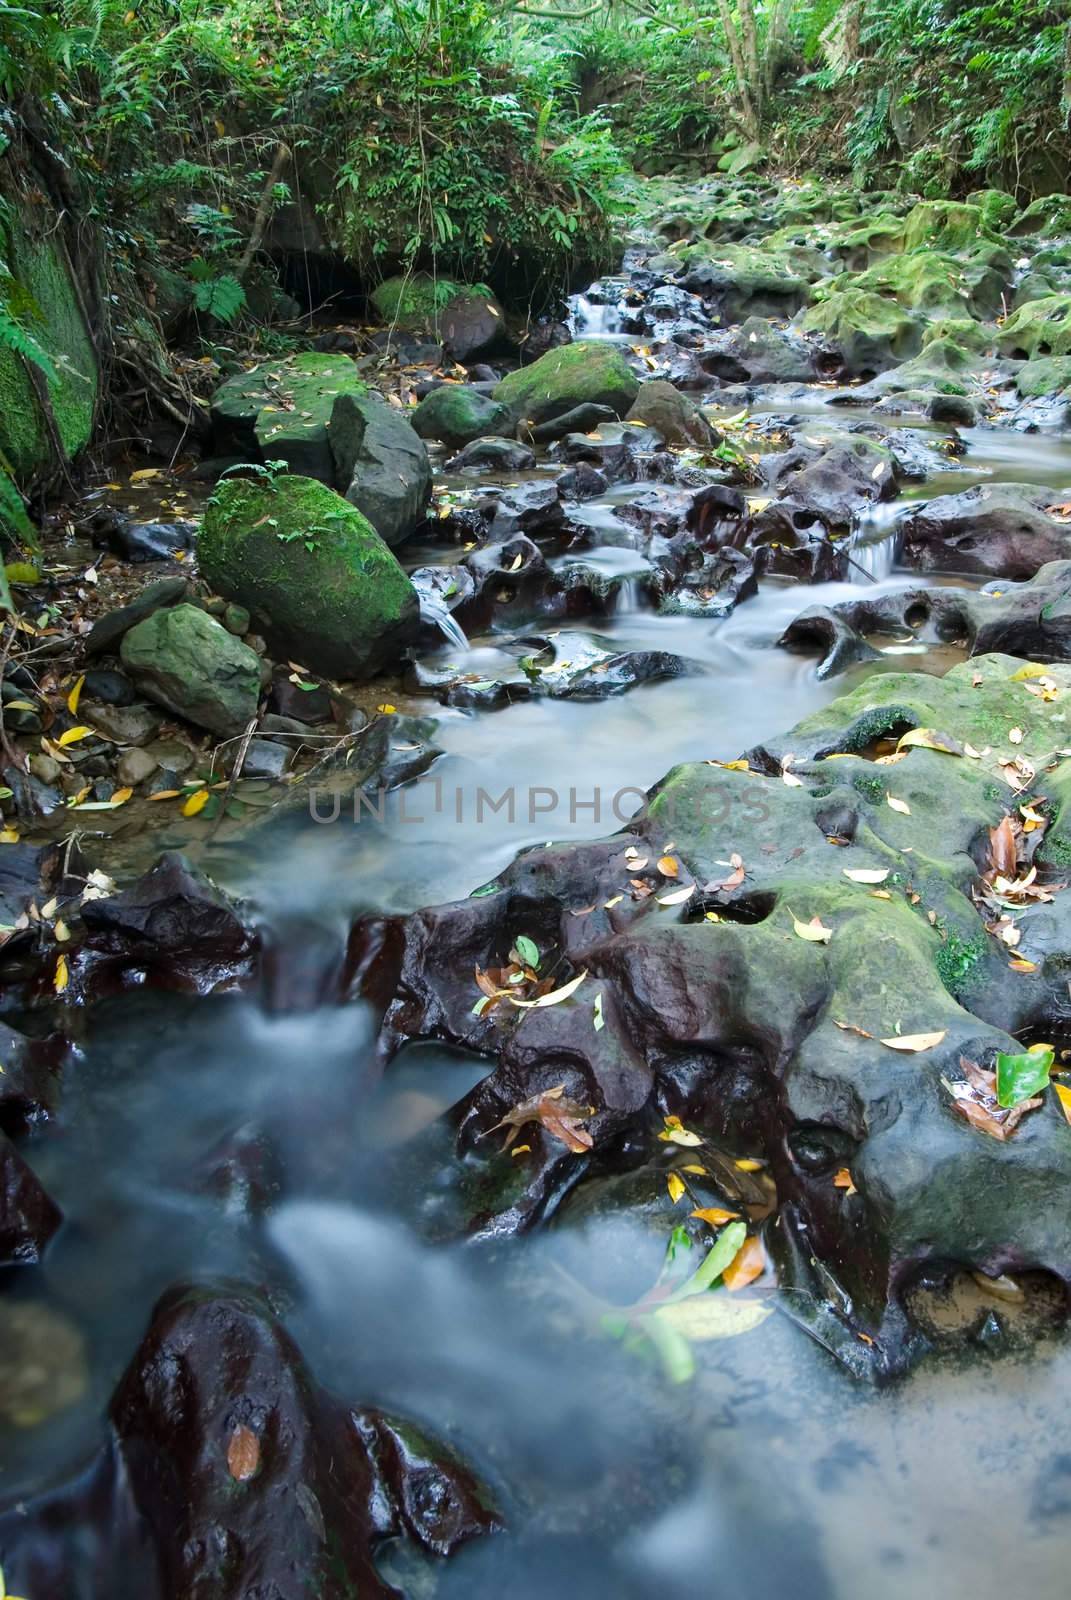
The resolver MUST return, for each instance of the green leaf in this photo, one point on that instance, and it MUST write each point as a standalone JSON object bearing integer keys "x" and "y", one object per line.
{"x": 717, "y": 1259}
{"x": 713, "y": 1316}
{"x": 674, "y": 1351}
{"x": 528, "y": 951}
{"x": 1019, "y": 1077}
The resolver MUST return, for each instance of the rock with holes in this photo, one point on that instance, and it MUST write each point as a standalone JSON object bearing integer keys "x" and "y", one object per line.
{"x": 747, "y": 955}
{"x": 230, "y": 1472}
{"x": 1004, "y": 530}
{"x": 1031, "y": 619}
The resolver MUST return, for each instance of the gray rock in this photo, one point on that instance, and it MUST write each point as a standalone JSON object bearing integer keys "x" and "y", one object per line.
{"x": 132, "y": 725}
{"x": 187, "y": 662}
{"x": 381, "y": 464}
{"x": 108, "y": 630}
{"x": 265, "y": 759}
{"x": 172, "y": 754}
{"x": 235, "y": 619}
{"x": 135, "y": 766}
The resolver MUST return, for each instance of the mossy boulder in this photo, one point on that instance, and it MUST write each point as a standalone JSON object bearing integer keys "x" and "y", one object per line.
{"x": 1040, "y": 328}
{"x": 281, "y": 411}
{"x": 50, "y": 311}
{"x": 1047, "y": 375}
{"x": 186, "y": 661}
{"x": 465, "y": 318}
{"x": 312, "y": 571}
{"x": 1049, "y": 215}
{"x": 997, "y": 206}
{"x": 864, "y": 331}
{"x": 456, "y": 414}
{"x": 586, "y": 372}
{"x": 943, "y": 225}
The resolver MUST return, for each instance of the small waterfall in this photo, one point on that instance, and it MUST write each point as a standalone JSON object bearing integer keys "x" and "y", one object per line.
{"x": 875, "y": 542}
{"x": 433, "y": 609}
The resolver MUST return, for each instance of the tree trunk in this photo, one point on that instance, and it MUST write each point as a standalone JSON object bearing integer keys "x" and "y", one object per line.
{"x": 749, "y": 111}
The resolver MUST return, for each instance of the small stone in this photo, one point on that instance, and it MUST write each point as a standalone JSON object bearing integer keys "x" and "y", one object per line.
{"x": 163, "y": 782}
{"x": 256, "y": 642}
{"x": 133, "y": 724}
{"x": 171, "y": 754}
{"x": 134, "y": 767}
{"x": 265, "y": 759}
{"x": 45, "y": 768}
{"x": 113, "y": 688}
{"x": 236, "y": 619}
{"x": 214, "y": 604}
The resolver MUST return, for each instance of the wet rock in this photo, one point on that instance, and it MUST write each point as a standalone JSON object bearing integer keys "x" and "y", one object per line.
{"x": 456, "y": 414}
{"x": 172, "y": 927}
{"x": 672, "y": 416}
{"x": 188, "y": 663}
{"x": 1001, "y": 530}
{"x": 31, "y": 796}
{"x": 825, "y": 487}
{"x": 172, "y": 754}
{"x": 381, "y": 464}
{"x": 28, "y": 1216}
{"x": 108, "y": 630}
{"x": 265, "y": 759}
{"x": 738, "y": 282}
{"x": 1030, "y": 619}
{"x": 135, "y": 723}
{"x": 297, "y": 703}
{"x": 328, "y": 590}
{"x": 465, "y": 318}
{"x": 492, "y": 455}
{"x": 111, "y": 687}
{"x": 253, "y": 1480}
{"x": 134, "y": 766}
{"x": 236, "y": 619}
{"x": 244, "y": 1171}
{"x": 532, "y": 508}
{"x": 582, "y": 482}
{"x": 577, "y": 374}
{"x": 142, "y": 541}
{"x": 757, "y": 352}
{"x": 30, "y": 1085}
{"x": 859, "y": 333}
{"x": 695, "y": 1022}
{"x": 586, "y": 418}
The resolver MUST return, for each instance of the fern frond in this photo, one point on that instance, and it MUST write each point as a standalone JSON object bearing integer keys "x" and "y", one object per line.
{"x": 14, "y": 336}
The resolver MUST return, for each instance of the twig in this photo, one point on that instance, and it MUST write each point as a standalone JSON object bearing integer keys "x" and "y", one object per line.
{"x": 10, "y": 753}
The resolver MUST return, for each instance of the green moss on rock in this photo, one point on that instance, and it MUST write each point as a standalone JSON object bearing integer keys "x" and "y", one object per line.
{"x": 311, "y": 570}
{"x": 57, "y": 324}
{"x": 577, "y": 374}
{"x": 456, "y": 414}
{"x": 1040, "y": 328}
{"x": 281, "y": 410}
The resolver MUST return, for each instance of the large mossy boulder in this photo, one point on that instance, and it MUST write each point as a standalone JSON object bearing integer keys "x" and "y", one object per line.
{"x": 863, "y": 332}
{"x": 587, "y": 372}
{"x": 456, "y": 413}
{"x": 186, "y": 661}
{"x": 281, "y": 411}
{"x": 1040, "y": 328}
{"x": 381, "y": 464}
{"x": 943, "y": 225}
{"x": 35, "y": 260}
{"x": 312, "y": 571}
{"x": 465, "y": 318}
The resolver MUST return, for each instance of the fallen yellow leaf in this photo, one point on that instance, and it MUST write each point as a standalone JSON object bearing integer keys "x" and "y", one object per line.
{"x": 675, "y": 1186}
{"x": 62, "y": 977}
{"x": 73, "y": 735}
{"x": 195, "y": 803}
{"x": 914, "y": 1041}
{"x": 75, "y": 695}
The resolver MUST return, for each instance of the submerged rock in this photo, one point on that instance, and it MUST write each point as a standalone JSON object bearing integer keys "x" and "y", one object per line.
{"x": 312, "y": 571}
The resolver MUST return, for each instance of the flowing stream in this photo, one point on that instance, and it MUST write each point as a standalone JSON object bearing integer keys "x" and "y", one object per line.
{"x": 773, "y": 1472}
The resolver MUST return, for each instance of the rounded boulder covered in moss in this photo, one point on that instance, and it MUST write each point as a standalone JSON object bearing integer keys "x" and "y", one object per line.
{"x": 312, "y": 571}
{"x": 573, "y": 375}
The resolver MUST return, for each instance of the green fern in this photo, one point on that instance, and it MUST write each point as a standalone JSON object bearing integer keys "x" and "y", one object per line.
{"x": 14, "y": 335}
{"x": 221, "y": 297}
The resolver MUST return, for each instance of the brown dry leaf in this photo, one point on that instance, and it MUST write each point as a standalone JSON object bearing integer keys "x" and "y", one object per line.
{"x": 914, "y": 1042}
{"x": 975, "y": 1097}
{"x": 843, "y": 1180}
{"x": 243, "y": 1454}
{"x": 557, "y": 1114}
{"x": 748, "y": 1264}
{"x": 852, "y": 1027}
{"x": 1003, "y": 853}
{"x": 668, "y": 866}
